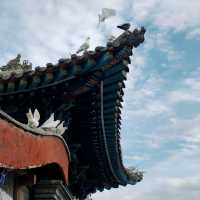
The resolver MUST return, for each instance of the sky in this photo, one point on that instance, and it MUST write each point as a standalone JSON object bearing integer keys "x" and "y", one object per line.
{"x": 161, "y": 116}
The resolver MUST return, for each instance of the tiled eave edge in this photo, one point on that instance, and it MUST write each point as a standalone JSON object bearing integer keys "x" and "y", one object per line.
{"x": 110, "y": 106}
{"x": 68, "y": 69}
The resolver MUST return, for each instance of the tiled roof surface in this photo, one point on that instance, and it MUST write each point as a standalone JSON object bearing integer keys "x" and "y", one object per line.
{"x": 66, "y": 69}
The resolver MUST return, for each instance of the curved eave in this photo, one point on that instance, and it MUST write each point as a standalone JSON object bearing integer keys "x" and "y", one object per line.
{"x": 106, "y": 139}
{"x": 68, "y": 69}
{"x": 107, "y": 117}
{"x": 111, "y": 98}
{"x": 112, "y": 91}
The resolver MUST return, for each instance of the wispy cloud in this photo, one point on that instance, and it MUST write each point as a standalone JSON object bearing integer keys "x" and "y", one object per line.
{"x": 47, "y": 31}
{"x": 177, "y": 16}
{"x": 176, "y": 177}
{"x": 188, "y": 89}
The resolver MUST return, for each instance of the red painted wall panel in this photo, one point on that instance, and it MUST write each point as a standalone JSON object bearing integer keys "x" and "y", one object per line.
{"x": 20, "y": 149}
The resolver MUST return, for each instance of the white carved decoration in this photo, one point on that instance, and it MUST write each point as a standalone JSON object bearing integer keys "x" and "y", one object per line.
{"x": 15, "y": 66}
{"x": 33, "y": 118}
{"x": 55, "y": 127}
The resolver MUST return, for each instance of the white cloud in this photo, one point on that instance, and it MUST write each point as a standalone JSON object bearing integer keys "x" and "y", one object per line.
{"x": 48, "y": 31}
{"x": 188, "y": 90}
{"x": 194, "y": 34}
{"x": 176, "y": 177}
{"x": 135, "y": 158}
{"x": 183, "y": 95}
{"x": 150, "y": 108}
{"x": 184, "y": 183}
{"x": 142, "y": 95}
{"x": 176, "y": 15}
{"x": 190, "y": 129}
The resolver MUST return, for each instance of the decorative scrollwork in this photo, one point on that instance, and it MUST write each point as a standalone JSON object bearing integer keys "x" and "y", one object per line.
{"x": 15, "y": 66}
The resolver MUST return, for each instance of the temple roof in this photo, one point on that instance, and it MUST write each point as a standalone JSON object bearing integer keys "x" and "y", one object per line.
{"x": 94, "y": 84}
{"x": 101, "y": 58}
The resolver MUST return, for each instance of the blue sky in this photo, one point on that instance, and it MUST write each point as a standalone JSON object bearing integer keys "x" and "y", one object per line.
{"x": 161, "y": 115}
